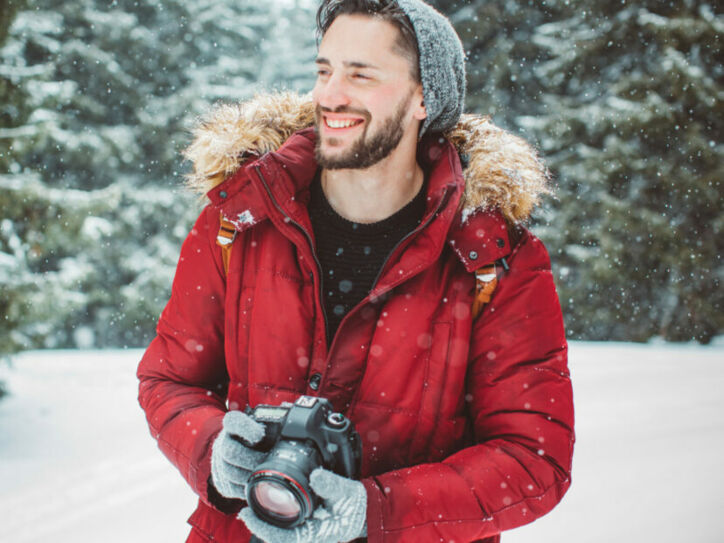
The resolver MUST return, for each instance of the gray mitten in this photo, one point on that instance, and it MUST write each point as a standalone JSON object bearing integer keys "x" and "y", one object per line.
{"x": 231, "y": 461}
{"x": 341, "y": 517}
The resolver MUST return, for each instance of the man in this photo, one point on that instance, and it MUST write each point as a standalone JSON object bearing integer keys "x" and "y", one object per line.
{"x": 363, "y": 269}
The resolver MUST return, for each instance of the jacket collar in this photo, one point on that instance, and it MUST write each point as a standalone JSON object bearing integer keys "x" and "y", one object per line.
{"x": 279, "y": 181}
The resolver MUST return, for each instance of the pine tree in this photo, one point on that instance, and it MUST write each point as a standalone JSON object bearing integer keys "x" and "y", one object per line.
{"x": 11, "y": 96}
{"x": 634, "y": 131}
{"x": 12, "y": 109}
{"x": 92, "y": 206}
{"x": 290, "y": 48}
{"x": 497, "y": 37}
{"x": 625, "y": 102}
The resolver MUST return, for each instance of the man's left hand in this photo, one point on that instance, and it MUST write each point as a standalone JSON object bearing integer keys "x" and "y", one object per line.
{"x": 341, "y": 516}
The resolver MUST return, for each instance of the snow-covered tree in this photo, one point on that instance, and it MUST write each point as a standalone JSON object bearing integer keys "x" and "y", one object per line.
{"x": 625, "y": 101}
{"x": 93, "y": 213}
{"x": 290, "y": 48}
{"x": 497, "y": 38}
{"x": 632, "y": 121}
{"x": 10, "y": 108}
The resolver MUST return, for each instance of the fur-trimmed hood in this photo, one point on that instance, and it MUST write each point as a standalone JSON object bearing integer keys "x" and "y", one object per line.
{"x": 501, "y": 170}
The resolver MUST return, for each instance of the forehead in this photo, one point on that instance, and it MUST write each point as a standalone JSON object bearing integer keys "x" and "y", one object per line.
{"x": 362, "y": 39}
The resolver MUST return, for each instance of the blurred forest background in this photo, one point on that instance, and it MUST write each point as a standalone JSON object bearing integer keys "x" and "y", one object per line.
{"x": 624, "y": 100}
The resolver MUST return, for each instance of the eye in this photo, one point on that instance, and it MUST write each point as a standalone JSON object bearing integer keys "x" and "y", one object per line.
{"x": 322, "y": 72}
{"x": 360, "y": 76}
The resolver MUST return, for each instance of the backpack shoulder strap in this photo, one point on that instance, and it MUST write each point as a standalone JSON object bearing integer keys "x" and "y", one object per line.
{"x": 486, "y": 279}
{"x": 225, "y": 239}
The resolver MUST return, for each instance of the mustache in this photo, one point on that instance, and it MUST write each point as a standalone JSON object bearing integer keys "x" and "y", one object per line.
{"x": 342, "y": 109}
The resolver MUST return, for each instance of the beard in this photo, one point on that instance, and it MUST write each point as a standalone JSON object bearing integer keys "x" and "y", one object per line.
{"x": 366, "y": 150}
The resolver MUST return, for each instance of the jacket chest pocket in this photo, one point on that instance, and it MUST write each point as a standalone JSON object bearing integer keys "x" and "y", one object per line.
{"x": 433, "y": 388}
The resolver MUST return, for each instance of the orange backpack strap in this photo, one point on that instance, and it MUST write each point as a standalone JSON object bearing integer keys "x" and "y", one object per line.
{"x": 225, "y": 239}
{"x": 486, "y": 279}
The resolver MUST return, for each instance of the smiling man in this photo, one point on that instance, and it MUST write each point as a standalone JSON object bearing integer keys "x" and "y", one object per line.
{"x": 366, "y": 247}
{"x": 354, "y": 80}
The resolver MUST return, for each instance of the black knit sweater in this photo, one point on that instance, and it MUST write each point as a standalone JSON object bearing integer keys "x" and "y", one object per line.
{"x": 352, "y": 254}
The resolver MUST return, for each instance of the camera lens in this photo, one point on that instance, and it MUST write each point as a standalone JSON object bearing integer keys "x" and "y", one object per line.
{"x": 278, "y": 491}
{"x": 277, "y": 499}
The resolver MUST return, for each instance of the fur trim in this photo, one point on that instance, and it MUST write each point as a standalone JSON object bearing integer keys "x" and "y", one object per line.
{"x": 230, "y": 133}
{"x": 503, "y": 171}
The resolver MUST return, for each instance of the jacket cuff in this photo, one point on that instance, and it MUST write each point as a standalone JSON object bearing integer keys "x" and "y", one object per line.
{"x": 200, "y": 468}
{"x": 374, "y": 511}
{"x": 228, "y": 506}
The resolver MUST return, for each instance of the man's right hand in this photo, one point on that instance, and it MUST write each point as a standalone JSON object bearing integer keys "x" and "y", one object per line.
{"x": 231, "y": 461}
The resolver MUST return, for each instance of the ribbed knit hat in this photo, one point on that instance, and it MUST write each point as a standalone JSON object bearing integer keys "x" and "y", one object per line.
{"x": 442, "y": 65}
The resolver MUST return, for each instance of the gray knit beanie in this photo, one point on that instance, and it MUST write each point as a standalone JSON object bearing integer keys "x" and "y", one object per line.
{"x": 442, "y": 65}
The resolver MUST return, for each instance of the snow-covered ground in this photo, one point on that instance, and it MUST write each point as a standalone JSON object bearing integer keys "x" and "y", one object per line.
{"x": 77, "y": 463}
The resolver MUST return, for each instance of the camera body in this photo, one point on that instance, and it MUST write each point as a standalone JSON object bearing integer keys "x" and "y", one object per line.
{"x": 298, "y": 438}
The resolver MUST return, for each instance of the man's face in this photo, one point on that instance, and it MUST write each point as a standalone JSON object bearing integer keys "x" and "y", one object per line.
{"x": 366, "y": 100}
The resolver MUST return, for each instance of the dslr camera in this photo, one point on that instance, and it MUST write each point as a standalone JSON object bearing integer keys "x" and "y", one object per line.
{"x": 298, "y": 438}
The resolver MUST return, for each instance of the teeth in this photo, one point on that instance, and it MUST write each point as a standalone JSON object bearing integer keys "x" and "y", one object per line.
{"x": 332, "y": 123}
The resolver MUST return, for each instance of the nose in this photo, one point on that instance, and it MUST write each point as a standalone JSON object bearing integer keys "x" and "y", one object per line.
{"x": 331, "y": 92}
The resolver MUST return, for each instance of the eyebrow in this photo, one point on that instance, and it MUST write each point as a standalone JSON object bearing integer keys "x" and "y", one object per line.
{"x": 348, "y": 64}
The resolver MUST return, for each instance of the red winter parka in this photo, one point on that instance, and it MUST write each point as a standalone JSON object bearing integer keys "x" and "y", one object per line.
{"x": 467, "y": 425}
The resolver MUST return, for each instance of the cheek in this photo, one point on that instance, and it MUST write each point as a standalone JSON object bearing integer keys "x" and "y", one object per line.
{"x": 386, "y": 98}
{"x": 315, "y": 93}
{"x": 382, "y": 105}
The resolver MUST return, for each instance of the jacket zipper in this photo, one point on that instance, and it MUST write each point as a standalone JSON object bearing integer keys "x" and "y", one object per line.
{"x": 420, "y": 227}
{"x": 408, "y": 235}
{"x": 309, "y": 239}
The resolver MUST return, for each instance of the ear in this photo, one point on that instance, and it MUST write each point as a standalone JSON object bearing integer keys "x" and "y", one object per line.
{"x": 420, "y": 112}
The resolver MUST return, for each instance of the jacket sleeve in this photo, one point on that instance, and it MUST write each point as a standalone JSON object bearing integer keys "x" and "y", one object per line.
{"x": 520, "y": 407}
{"x": 182, "y": 374}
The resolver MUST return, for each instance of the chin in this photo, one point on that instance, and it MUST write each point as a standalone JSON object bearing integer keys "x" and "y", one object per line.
{"x": 333, "y": 148}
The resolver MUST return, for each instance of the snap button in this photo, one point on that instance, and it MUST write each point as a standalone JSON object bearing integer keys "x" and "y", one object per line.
{"x": 314, "y": 381}
{"x": 500, "y": 242}
{"x": 222, "y": 194}
{"x": 473, "y": 255}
